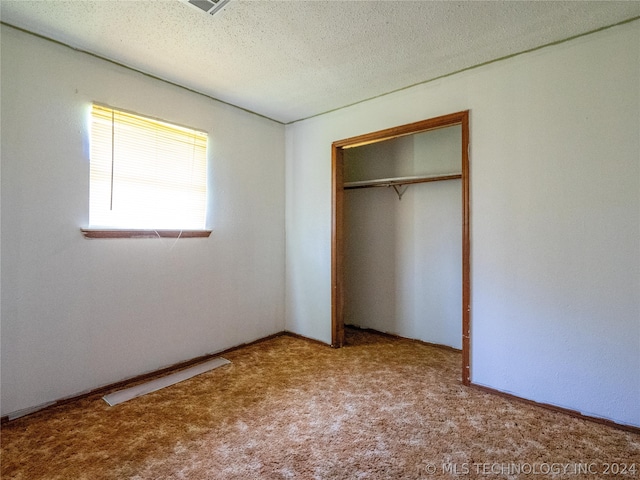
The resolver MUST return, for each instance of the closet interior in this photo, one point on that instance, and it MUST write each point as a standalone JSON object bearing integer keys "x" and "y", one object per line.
{"x": 402, "y": 234}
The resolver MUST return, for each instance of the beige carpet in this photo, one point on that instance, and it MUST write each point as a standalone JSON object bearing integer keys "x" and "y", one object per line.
{"x": 380, "y": 408}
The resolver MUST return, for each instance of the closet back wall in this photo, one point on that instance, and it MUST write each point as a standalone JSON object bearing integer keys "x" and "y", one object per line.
{"x": 403, "y": 265}
{"x": 78, "y": 313}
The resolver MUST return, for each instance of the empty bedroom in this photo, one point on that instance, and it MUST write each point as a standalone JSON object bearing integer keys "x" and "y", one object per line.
{"x": 319, "y": 239}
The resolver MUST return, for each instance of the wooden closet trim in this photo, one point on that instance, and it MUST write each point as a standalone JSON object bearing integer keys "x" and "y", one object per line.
{"x": 337, "y": 226}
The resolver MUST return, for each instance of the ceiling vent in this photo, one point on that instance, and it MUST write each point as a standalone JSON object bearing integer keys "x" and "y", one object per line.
{"x": 208, "y": 6}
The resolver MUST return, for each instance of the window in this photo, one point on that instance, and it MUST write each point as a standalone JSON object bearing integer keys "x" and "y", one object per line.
{"x": 146, "y": 174}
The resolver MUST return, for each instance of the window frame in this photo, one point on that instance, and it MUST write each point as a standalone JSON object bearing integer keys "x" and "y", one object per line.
{"x": 100, "y": 231}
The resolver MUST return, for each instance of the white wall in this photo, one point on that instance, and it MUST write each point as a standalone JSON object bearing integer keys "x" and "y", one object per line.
{"x": 403, "y": 265}
{"x": 555, "y": 212}
{"x": 78, "y": 313}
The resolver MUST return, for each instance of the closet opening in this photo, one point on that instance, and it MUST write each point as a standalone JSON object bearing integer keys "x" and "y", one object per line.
{"x": 400, "y": 248}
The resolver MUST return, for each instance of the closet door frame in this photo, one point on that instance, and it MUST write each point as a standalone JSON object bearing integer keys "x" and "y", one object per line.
{"x": 337, "y": 230}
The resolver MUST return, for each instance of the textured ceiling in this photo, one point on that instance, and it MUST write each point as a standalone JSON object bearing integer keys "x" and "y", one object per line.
{"x": 289, "y": 60}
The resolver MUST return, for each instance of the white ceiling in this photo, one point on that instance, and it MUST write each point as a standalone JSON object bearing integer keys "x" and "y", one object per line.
{"x": 289, "y": 60}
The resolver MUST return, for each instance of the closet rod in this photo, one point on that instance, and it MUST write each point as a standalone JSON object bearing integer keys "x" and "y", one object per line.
{"x": 391, "y": 182}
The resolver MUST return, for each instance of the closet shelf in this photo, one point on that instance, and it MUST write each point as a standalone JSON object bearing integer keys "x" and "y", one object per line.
{"x": 391, "y": 182}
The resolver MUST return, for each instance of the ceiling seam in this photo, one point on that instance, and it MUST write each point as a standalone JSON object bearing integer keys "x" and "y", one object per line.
{"x": 133, "y": 69}
{"x": 488, "y": 62}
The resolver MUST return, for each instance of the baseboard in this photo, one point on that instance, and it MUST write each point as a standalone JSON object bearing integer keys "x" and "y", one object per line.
{"x": 555, "y": 408}
{"x": 130, "y": 381}
{"x": 308, "y": 339}
{"x": 188, "y": 363}
{"x": 394, "y": 335}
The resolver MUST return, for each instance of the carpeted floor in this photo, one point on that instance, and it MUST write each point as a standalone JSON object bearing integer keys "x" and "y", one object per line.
{"x": 380, "y": 408}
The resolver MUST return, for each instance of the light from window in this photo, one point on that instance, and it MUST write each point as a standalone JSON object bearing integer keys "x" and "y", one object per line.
{"x": 146, "y": 173}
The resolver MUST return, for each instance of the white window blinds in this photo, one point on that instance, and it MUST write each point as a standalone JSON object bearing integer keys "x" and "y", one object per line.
{"x": 146, "y": 173}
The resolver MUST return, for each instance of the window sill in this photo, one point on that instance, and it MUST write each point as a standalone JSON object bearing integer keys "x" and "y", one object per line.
{"x": 122, "y": 233}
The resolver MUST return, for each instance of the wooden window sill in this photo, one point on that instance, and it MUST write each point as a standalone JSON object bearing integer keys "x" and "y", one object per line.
{"x": 123, "y": 233}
